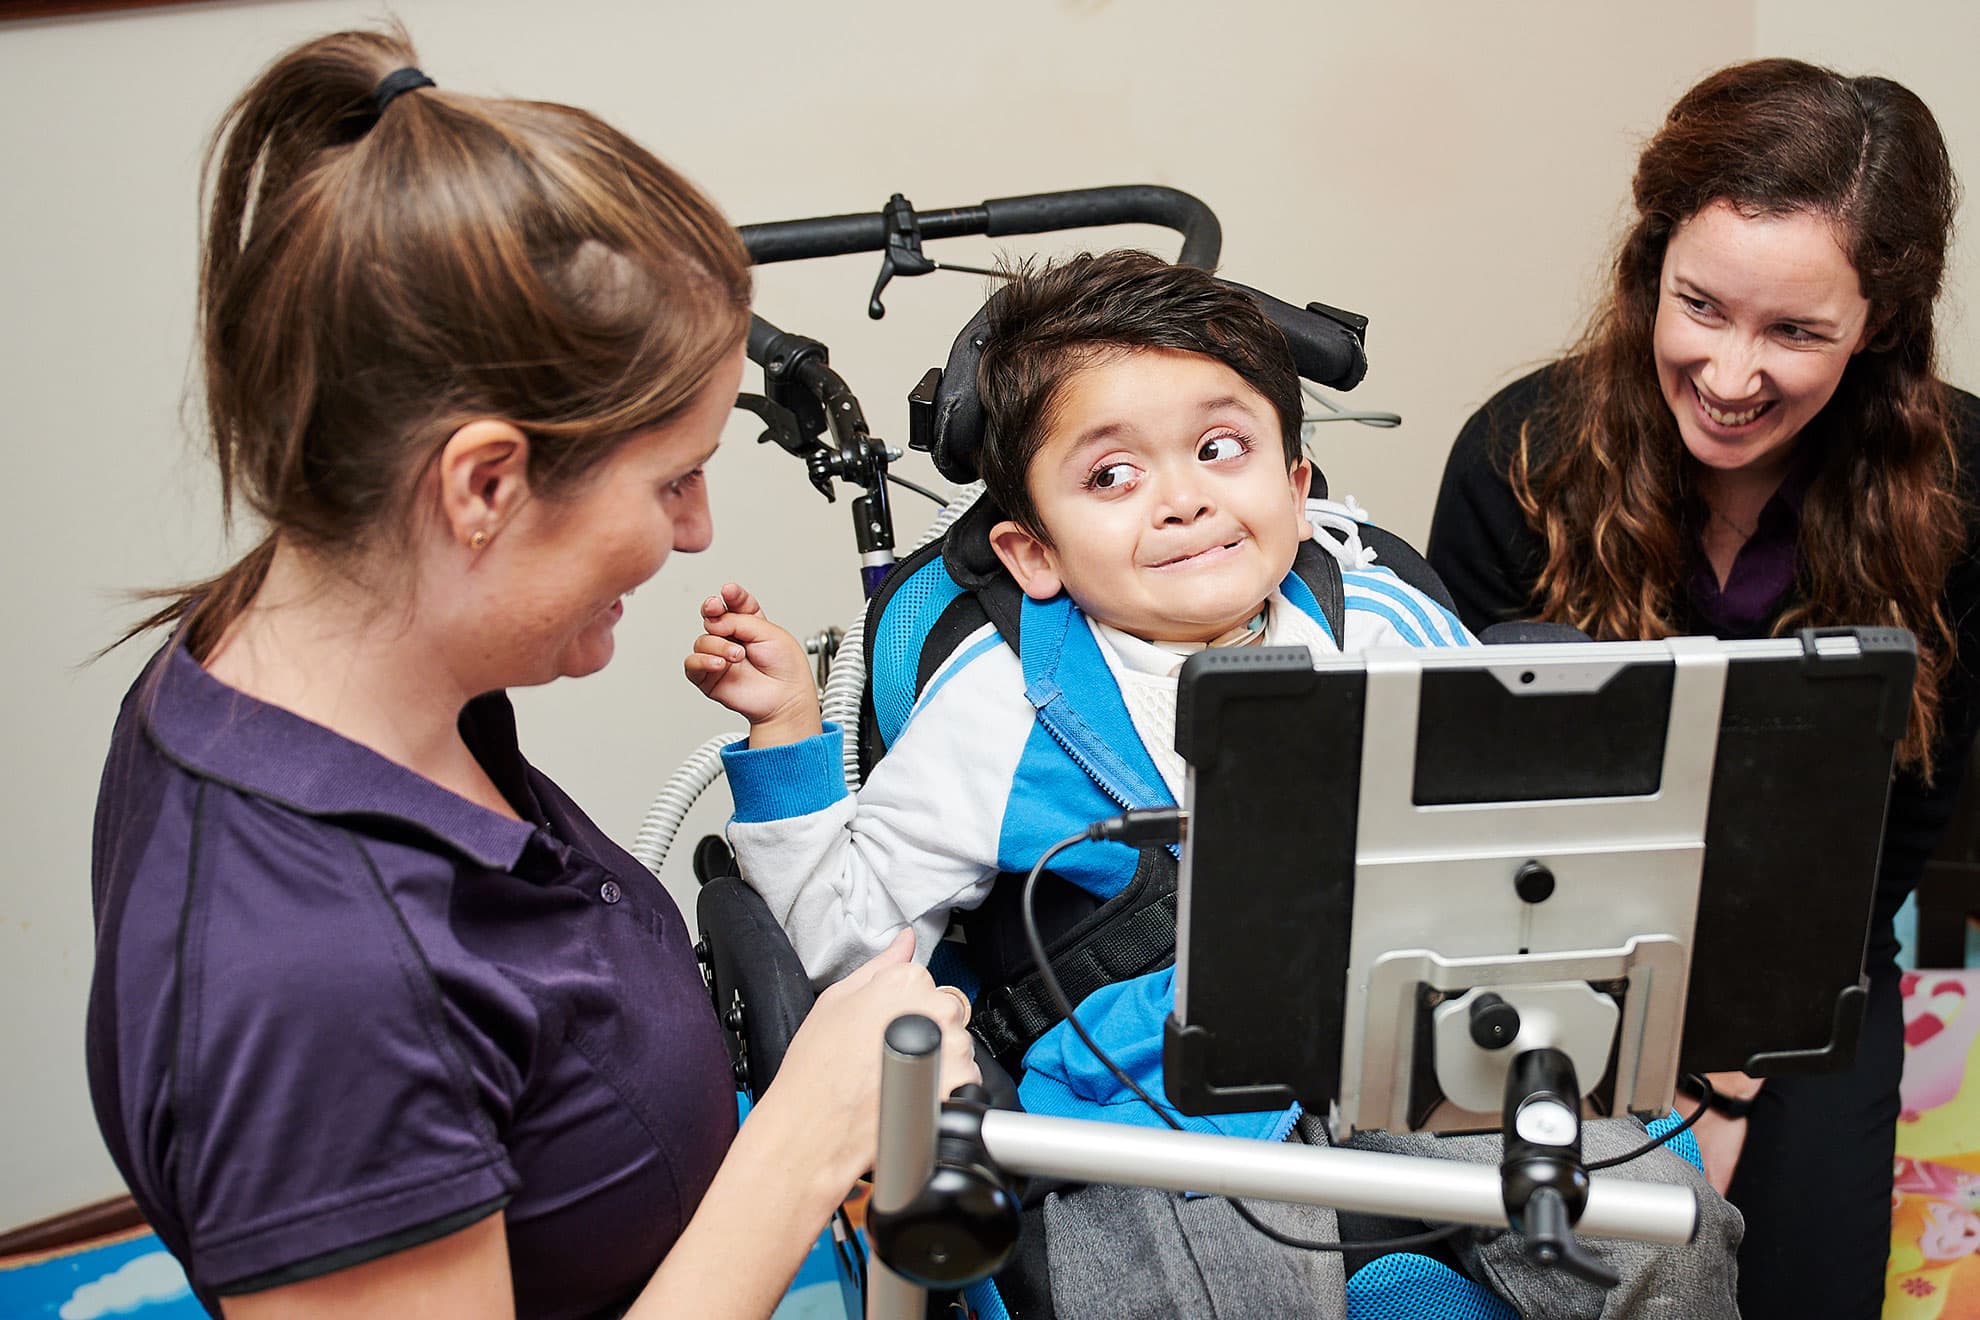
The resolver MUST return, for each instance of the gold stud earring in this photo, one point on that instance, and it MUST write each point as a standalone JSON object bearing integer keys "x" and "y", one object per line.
{"x": 478, "y": 540}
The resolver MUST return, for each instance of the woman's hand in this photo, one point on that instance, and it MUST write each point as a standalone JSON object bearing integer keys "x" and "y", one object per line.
{"x": 1721, "y": 1138}
{"x": 808, "y": 1139}
{"x": 756, "y": 669}
{"x": 831, "y": 1073}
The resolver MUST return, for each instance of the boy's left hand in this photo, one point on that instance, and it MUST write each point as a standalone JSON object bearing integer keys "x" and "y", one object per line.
{"x": 755, "y": 668}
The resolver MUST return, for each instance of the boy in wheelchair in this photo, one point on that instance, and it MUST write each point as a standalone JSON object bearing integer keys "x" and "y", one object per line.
{"x": 1146, "y": 494}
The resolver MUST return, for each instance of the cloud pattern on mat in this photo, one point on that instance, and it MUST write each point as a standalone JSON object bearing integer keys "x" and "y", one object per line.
{"x": 139, "y": 1282}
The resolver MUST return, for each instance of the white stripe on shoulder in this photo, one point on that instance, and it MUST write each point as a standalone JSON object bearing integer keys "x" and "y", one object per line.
{"x": 1428, "y": 623}
{"x": 984, "y": 641}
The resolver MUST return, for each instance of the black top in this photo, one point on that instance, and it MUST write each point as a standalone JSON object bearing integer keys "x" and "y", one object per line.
{"x": 1490, "y": 558}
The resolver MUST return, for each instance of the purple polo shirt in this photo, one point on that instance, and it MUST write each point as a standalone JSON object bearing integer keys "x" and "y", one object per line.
{"x": 338, "y": 1010}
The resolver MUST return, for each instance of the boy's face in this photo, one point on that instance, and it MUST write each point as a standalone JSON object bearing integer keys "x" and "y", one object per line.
{"x": 1163, "y": 487}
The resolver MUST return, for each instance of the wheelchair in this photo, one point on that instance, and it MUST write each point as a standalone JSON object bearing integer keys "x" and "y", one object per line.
{"x": 920, "y": 606}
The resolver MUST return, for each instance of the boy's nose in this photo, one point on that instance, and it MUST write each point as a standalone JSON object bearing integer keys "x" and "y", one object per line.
{"x": 1184, "y": 500}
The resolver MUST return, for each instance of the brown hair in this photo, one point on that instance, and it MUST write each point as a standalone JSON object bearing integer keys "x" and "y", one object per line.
{"x": 1048, "y": 323}
{"x": 1881, "y": 526}
{"x": 372, "y": 281}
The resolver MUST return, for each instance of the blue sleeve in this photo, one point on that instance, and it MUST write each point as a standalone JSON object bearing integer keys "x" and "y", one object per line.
{"x": 777, "y": 783}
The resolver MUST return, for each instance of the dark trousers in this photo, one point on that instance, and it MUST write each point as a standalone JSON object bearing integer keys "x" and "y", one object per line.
{"x": 1814, "y": 1180}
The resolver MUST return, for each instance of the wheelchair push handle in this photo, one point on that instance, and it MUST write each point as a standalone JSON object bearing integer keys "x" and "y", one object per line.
{"x": 898, "y": 224}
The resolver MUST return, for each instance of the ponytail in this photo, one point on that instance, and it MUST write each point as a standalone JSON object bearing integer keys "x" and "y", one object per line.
{"x": 385, "y": 261}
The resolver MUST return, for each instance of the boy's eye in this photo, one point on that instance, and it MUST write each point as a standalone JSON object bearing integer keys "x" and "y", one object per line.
{"x": 1221, "y": 446}
{"x": 1113, "y": 476}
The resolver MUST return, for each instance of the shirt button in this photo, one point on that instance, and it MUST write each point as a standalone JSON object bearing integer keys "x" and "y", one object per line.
{"x": 609, "y": 891}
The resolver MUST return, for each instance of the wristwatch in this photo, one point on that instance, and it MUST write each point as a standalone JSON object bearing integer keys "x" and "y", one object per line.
{"x": 1727, "y": 1106}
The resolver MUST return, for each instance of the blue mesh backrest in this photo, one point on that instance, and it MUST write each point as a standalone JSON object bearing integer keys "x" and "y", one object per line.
{"x": 1405, "y": 1286}
{"x": 894, "y": 647}
{"x": 1683, "y": 1145}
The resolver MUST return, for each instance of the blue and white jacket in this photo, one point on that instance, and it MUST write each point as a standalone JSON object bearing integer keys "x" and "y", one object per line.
{"x": 1002, "y": 756}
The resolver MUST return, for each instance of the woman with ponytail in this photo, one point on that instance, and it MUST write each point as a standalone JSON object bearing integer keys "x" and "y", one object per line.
{"x": 381, "y": 1024}
{"x": 1751, "y": 438}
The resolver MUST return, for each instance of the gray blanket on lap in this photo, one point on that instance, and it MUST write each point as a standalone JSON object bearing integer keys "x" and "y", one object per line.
{"x": 1127, "y": 1253}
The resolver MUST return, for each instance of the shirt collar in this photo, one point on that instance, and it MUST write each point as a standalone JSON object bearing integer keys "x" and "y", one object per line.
{"x": 225, "y": 735}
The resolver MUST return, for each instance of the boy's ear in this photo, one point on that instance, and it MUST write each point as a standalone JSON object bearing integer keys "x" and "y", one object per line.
{"x": 1027, "y": 559}
{"x": 483, "y": 475}
{"x": 1302, "y": 482}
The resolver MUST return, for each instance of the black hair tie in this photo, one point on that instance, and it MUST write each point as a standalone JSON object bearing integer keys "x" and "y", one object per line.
{"x": 396, "y": 84}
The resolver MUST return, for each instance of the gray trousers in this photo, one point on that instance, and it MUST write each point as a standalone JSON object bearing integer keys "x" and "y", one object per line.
{"x": 1125, "y": 1253}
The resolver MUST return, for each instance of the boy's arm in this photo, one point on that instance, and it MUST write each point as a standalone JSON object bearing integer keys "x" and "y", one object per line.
{"x": 921, "y": 839}
{"x": 843, "y": 875}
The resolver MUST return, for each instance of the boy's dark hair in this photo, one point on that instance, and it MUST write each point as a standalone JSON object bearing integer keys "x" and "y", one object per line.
{"x": 1049, "y": 322}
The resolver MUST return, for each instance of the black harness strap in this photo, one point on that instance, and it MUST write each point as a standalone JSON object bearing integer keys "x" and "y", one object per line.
{"x": 1321, "y": 573}
{"x": 1130, "y": 935}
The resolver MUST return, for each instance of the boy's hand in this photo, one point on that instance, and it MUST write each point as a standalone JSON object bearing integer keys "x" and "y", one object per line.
{"x": 755, "y": 668}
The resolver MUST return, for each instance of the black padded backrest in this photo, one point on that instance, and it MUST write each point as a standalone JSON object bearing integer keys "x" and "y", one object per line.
{"x": 1402, "y": 559}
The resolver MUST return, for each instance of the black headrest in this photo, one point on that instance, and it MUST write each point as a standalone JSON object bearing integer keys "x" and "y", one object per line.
{"x": 966, "y": 551}
{"x": 946, "y": 416}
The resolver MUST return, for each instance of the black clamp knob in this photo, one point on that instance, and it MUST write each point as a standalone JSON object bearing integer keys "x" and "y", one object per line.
{"x": 1534, "y": 882}
{"x": 964, "y": 1222}
{"x": 1494, "y": 1022}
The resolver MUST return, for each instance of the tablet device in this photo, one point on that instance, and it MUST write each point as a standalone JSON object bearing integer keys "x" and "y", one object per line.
{"x": 1683, "y": 833}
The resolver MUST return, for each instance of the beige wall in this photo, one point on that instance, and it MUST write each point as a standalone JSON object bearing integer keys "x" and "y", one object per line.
{"x": 1453, "y": 171}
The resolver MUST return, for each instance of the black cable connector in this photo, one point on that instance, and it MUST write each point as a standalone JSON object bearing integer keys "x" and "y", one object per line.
{"x": 1140, "y": 825}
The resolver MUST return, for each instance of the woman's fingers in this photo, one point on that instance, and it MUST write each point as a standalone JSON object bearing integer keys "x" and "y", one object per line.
{"x": 959, "y": 1066}
{"x": 898, "y": 952}
{"x": 955, "y": 993}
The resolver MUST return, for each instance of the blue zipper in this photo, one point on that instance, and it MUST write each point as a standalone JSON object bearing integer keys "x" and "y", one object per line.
{"x": 1079, "y": 759}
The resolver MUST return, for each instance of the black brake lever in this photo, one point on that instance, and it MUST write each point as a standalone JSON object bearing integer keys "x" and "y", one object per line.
{"x": 903, "y": 255}
{"x": 781, "y": 427}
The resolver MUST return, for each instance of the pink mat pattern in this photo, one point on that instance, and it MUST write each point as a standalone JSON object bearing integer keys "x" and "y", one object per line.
{"x": 1934, "y": 1271}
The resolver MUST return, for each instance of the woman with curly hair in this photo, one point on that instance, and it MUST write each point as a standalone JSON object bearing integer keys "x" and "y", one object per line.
{"x": 1750, "y": 438}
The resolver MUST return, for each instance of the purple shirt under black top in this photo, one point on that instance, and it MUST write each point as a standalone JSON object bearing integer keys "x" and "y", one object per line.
{"x": 338, "y": 1011}
{"x": 1763, "y": 570}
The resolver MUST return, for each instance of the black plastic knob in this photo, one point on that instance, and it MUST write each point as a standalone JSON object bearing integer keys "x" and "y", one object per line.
{"x": 1494, "y": 1022}
{"x": 1534, "y": 882}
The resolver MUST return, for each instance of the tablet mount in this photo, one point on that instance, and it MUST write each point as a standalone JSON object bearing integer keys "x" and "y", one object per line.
{"x": 1518, "y": 958}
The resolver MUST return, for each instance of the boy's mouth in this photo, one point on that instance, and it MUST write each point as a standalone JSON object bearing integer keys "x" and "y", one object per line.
{"x": 1205, "y": 553}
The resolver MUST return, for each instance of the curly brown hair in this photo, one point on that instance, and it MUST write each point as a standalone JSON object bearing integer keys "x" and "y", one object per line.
{"x": 1881, "y": 525}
